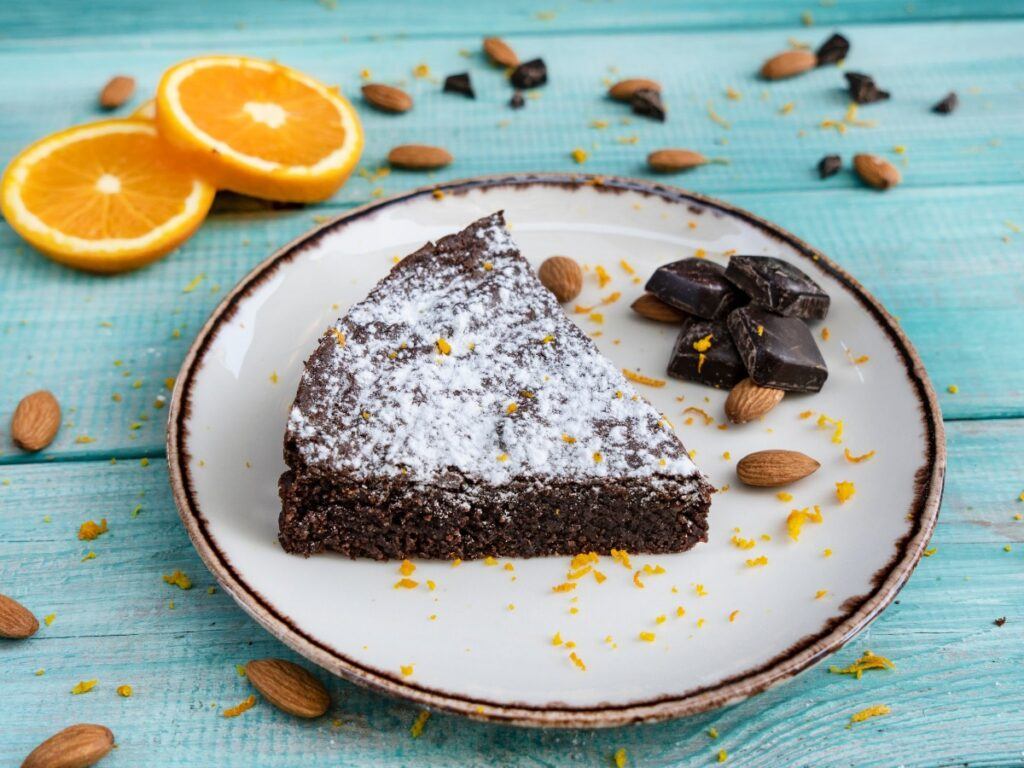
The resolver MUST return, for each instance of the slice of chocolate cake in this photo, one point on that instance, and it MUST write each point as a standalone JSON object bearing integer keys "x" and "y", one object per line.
{"x": 457, "y": 412}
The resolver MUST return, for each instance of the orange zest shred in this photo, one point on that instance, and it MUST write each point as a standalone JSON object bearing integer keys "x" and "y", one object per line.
{"x": 443, "y": 346}
{"x": 757, "y": 561}
{"x": 627, "y": 267}
{"x": 577, "y": 661}
{"x": 611, "y": 298}
{"x": 878, "y": 710}
{"x": 647, "y": 637}
{"x": 406, "y": 584}
{"x": 837, "y": 424}
{"x": 708, "y": 419}
{"x": 733, "y": 615}
{"x": 866, "y": 662}
{"x": 579, "y": 309}
{"x": 83, "y": 686}
{"x": 820, "y": 594}
{"x": 419, "y": 723}
{"x": 743, "y": 543}
{"x": 406, "y": 670}
{"x": 178, "y": 579}
{"x": 857, "y": 459}
{"x": 556, "y": 639}
{"x": 338, "y": 336}
{"x": 124, "y": 691}
{"x": 699, "y": 589}
{"x": 489, "y": 560}
{"x": 639, "y": 378}
{"x": 568, "y": 586}
{"x": 784, "y": 496}
{"x": 89, "y": 530}
{"x": 603, "y": 278}
{"x": 845, "y": 491}
{"x": 238, "y": 709}
{"x": 620, "y": 759}
{"x": 622, "y": 558}
{"x": 406, "y": 568}
{"x": 704, "y": 344}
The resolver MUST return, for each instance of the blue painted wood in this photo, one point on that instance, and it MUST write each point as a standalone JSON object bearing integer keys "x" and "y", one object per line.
{"x": 957, "y": 673}
{"x": 940, "y": 251}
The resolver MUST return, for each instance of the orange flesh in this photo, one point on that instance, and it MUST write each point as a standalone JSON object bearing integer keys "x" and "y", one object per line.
{"x": 216, "y": 100}
{"x": 62, "y": 189}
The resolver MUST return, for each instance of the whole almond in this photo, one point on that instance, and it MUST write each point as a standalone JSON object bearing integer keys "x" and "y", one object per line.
{"x": 562, "y": 276}
{"x": 387, "y": 98}
{"x": 788, "y": 64}
{"x": 748, "y": 401}
{"x": 653, "y": 308}
{"x": 77, "y": 746}
{"x": 876, "y": 171}
{"x": 624, "y": 89}
{"x": 500, "y": 52}
{"x": 289, "y": 687}
{"x": 770, "y": 469}
{"x": 117, "y": 91}
{"x": 36, "y": 420}
{"x": 675, "y": 160}
{"x": 16, "y": 621}
{"x": 419, "y": 157}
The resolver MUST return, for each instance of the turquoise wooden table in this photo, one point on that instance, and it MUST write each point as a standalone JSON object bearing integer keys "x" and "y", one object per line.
{"x": 944, "y": 251}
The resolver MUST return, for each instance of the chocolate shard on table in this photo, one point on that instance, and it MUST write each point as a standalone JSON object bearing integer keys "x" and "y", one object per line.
{"x": 459, "y": 84}
{"x": 647, "y": 102}
{"x": 948, "y": 104}
{"x": 706, "y": 353}
{"x": 458, "y": 412}
{"x": 862, "y": 88}
{"x": 779, "y": 286}
{"x": 778, "y": 352}
{"x": 833, "y": 50}
{"x": 697, "y": 286}
{"x": 530, "y": 74}
{"x": 517, "y": 101}
{"x": 829, "y": 165}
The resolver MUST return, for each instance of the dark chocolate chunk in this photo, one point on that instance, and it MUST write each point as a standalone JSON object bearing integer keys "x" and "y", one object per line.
{"x": 863, "y": 89}
{"x": 530, "y": 74}
{"x": 697, "y": 286}
{"x": 829, "y": 165}
{"x": 517, "y": 101}
{"x": 778, "y": 351}
{"x": 459, "y": 84}
{"x": 779, "y": 286}
{"x": 948, "y": 104}
{"x": 647, "y": 102}
{"x": 833, "y": 50}
{"x": 1000, "y": 621}
{"x": 705, "y": 353}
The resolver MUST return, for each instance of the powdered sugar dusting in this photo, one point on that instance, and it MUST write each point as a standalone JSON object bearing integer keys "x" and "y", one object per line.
{"x": 460, "y": 360}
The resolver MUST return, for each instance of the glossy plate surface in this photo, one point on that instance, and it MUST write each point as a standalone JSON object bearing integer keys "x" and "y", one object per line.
{"x": 481, "y": 642}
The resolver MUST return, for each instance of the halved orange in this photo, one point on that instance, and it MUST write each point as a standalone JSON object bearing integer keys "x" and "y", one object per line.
{"x": 259, "y": 128}
{"x": 105, "y": 197}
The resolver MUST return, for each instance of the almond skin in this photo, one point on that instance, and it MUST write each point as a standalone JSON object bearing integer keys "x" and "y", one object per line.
{"x": 117, "y": 91}
{"x": 77, "y": 746}
{"x": 624, "y": 89}
{"x": 788, "y": 64}
{"x": 36, "y": 420}
{"x": 288, "y": 687}
{"x": 748, "y": 401}
{"x": 500, "y": 52}
{"x": 770, "y": 469}
{"x": 562, "y": 276}
{"x": 419, "y": 157}
{"x": 16, "y": 621}
{"x": 675, "y": 160}
{"x": 387, "y": 98}
{"x": 653, "y": 308}
{"x": 876, "y": 171}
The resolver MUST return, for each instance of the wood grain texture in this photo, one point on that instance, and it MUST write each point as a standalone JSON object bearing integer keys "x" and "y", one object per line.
{"x": 941, "y": 251}
{"x": 956, "y": 671}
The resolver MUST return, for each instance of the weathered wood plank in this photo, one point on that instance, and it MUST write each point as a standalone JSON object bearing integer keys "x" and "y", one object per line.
{"x": 936, "y": 259}
{"x": 957, "y": 673}
{"x": 48, "y": 88}
{"x": 239, "y": 21}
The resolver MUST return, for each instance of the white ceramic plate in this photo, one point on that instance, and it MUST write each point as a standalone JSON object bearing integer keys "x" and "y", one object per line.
{"x": 470, "y": 651}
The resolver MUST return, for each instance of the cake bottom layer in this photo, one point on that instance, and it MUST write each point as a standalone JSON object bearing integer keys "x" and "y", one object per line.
{"x": 456, "y": 518}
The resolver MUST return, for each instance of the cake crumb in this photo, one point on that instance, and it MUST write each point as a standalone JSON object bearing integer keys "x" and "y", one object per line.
{"x": 419, "y": 723}
{"x": 845, "y": 491}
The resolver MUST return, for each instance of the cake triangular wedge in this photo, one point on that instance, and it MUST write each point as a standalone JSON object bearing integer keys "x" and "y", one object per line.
{"x": 456, "y": 412}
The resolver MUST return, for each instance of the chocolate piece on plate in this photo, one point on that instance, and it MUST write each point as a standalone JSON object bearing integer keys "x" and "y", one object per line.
{"x": 863, "y": 89}
{"x": 697, "y": 286}
{"x": 778, "y": 351}
{"x": 647, "y": 102}
{"x": 517, "y": 101}
{"x": 948, "y": 104}
{"x": 779, "y": 286}
{"x": 459, "y": 84}
{"x": 705, "y": 353}
{"x": 530, "y": 74}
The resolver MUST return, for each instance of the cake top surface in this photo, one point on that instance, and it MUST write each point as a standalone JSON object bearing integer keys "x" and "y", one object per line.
{"x": 460, "y": 360}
